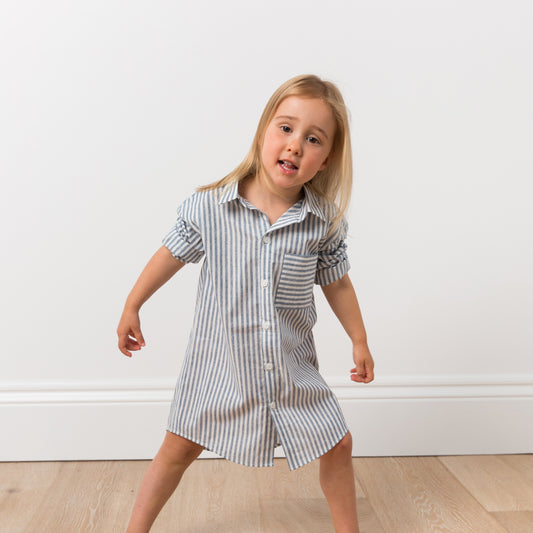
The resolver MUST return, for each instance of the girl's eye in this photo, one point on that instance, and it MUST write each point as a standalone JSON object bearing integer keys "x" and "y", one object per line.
{"x": 313, "y": 140}
{"x": 285, "y": 129}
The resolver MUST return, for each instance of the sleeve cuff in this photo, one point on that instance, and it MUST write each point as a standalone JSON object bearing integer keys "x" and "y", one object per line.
{"x": 181, "y": 249}
{"x": 326, "y": 276}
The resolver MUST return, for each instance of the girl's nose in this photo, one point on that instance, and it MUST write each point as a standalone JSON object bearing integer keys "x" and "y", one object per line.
{"x": 294, "y": 147}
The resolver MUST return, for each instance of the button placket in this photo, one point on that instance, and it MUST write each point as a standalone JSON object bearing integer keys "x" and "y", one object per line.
{"x": 268, "y": 335}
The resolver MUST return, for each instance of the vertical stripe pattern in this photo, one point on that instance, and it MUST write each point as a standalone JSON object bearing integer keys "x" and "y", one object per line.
{"x": 250, "y": 381}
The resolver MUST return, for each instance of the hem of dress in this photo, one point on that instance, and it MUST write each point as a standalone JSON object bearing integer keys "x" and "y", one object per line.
{"x": 231, "y": 457}
{"x": 326, "y": 449}
{"x": 222, "y": 453}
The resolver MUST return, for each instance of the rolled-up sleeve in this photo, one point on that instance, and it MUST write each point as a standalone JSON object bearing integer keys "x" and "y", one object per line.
{"x": 184, "y": 239}
{"x": 333, "y": 260}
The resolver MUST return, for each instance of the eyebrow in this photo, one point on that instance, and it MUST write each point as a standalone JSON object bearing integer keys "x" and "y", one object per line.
{"x": 313, "y": 126}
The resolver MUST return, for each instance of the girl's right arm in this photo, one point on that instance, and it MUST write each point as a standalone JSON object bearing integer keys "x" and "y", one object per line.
{"x": 161, "y": 267}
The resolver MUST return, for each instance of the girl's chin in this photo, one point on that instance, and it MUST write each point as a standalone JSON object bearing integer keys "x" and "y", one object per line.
{"x": 288, "y": 184}
{"x": 285, "y": 182}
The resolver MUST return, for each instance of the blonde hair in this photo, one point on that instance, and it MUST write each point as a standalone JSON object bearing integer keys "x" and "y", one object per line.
{"x": 334, "y": 182}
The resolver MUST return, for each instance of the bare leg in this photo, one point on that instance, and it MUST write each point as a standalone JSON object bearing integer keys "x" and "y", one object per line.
{"x": 338, "y": 484}
{"x": 161, "y": 479}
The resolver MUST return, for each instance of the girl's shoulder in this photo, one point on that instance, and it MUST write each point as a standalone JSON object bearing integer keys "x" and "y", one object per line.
{"x": 200, "y": 204}
{"x": 198, "y": 199}
{"x": 326, "y": 207}
{"x": 335, "y": 224}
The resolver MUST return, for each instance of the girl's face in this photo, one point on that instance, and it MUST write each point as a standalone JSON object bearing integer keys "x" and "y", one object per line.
{"x": 297, "y": 143}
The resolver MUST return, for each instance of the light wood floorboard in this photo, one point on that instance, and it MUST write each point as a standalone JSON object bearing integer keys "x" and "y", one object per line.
{"x": 458, "y": 494}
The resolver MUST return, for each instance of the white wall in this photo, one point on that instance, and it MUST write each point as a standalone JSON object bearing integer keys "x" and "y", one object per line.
{"x": 113, "y": 112}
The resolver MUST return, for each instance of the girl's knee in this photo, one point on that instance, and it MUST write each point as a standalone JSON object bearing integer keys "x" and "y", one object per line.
{"x": 339, "y": 454}
{"x": 344, "y": 445}
{"x": 346, "y": 442}
{"x": 180, "y": 450}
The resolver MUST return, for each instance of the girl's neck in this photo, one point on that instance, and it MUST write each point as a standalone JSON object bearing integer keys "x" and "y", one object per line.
{"x": 271, "y": 202}
{"x": 254, "y": 187}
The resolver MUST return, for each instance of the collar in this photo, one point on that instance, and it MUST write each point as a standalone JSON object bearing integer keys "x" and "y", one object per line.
{"x": 311, "y": 202}
{"x": 229, "y": 192}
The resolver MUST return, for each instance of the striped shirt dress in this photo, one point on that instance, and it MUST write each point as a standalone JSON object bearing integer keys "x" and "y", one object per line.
{"x": 250, "y": 381}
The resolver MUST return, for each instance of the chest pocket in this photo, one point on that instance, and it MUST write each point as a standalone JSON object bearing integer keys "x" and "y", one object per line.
{"x": 295, "y": 287}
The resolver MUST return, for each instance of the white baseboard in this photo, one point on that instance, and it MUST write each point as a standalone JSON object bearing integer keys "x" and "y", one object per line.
{"x": 407, "y": 415}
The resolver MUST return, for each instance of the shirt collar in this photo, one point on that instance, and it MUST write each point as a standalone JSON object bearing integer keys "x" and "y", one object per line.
{"x": 311, "y": 202}
{"x": 229, "y": 192}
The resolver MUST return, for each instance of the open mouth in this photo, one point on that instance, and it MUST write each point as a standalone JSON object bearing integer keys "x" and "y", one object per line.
{"x": 287, "y": 165}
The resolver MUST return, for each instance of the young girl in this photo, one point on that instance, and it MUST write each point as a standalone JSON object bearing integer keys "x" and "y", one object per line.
{"x": 268, "y": 232}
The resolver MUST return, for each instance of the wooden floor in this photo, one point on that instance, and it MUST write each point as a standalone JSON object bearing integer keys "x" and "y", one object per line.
{"x": 481, "y": 494}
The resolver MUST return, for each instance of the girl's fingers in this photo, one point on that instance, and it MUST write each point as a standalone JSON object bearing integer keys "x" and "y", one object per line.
{"x": 139, "y": 336}
{"x": 364, "y": 375}
{"x": 132, "y": 344}
{"x": 359, "y": 379}
{"x": 122, "y": 346}
{"x": 129, "y": 333}
{"x": 126, "y": 343}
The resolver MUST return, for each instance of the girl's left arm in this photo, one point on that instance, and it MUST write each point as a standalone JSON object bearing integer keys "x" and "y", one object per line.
{"x": 342, "y": 299}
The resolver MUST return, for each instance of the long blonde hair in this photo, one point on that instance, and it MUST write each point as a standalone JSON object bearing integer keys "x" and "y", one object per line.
{"x": 335, "y": 181}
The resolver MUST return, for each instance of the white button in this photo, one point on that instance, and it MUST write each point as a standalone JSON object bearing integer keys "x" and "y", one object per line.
{"x": 266, "y": 325}
{"x": 269, "y": 366}
{"x": 266, "y": 239}
{"x": 265, "y": 283}
{"x": 272, "y": 405}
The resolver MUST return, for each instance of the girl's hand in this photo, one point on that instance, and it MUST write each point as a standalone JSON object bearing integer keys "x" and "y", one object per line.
{"x": 364, "y": 364}
{"x": 129, "y": 333}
